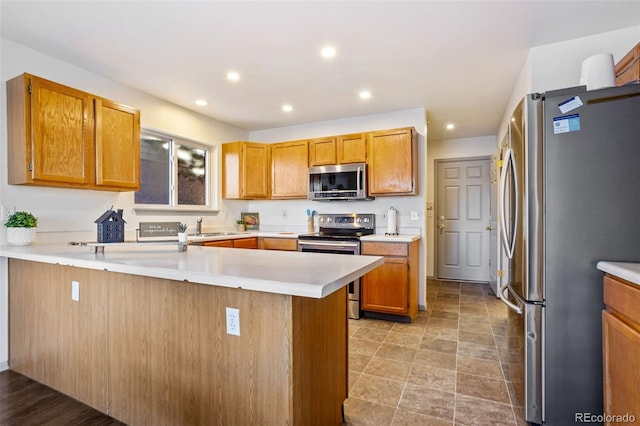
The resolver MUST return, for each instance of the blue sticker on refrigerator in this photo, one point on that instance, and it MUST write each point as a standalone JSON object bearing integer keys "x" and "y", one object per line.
{"x": 566, "y": 123}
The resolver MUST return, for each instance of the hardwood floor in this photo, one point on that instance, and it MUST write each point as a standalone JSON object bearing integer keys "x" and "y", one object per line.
{"x": 26, "y": 402}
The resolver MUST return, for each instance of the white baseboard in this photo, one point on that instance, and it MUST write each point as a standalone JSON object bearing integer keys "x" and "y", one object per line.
{"x": 4, "y": 365}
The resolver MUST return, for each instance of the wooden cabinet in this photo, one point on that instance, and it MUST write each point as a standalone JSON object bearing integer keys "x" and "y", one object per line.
{"x": 245, "y": 170}
{"x": 621, "y": 347}
{"x": 392, "y": 162}
{"x": 153, "y": 351}
{"x": 289, "y": 244}
{"x": 392, "y": 288}
{"x": 352, "y": 148}
{"x": 341, "y": 149}
{"x": 250, "y": 243}
{"x": 289, "y": 170}
{"x": 61, "y": 136}
{"x": 628, "y": 68}
{"x": 54, "y": 339}
{"x": 322, "y": 151}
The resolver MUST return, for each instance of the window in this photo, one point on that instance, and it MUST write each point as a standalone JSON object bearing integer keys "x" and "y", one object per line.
{"x": 174, "y": 172}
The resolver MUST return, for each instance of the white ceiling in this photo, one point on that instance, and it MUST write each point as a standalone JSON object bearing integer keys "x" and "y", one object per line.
{"x": 459, "y": 60}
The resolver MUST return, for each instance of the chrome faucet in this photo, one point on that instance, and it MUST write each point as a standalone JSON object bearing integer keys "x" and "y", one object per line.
{"x": 199, "y": 226}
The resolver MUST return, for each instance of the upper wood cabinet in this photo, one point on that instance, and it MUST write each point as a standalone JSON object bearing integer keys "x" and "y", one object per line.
{"x": 245, "y": 170}
{"x": 322, "y": 151}
{"x": 392, "y": 162}
{"x": 289, "y": 170}
{"x": 61, "y": 136}
{"x": 342, "y": 149}
{"x": 117, "y": 145}
{"x": 352, "y": 148}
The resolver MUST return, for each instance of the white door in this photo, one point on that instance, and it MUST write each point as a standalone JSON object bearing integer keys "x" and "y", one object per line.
{"x": 462, "y": 221}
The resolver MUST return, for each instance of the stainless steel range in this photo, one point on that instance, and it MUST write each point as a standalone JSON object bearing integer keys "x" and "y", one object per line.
{"x": 340, "y": 234}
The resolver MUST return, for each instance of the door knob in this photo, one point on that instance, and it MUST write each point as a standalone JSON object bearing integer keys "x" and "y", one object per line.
{"x": 488, "y": 228}
{"x": 441, "y": 218}
{"x": 441, "y": 226}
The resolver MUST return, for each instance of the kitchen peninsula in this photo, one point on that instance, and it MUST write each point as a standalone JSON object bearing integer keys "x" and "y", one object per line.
{"x": 140, "y": 333}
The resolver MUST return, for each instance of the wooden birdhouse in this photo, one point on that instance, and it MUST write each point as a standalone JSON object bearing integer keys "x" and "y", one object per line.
{"x": 111, "y": 227}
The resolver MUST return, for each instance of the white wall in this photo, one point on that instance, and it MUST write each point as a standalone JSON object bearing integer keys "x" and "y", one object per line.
{"x": 483, "y": 146}
{"x": 557, "y": 65}
{"x": 68, "y": 214}
{"x": 295, "y": 210}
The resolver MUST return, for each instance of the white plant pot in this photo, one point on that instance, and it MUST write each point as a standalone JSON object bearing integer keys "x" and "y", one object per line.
{"x": 182, "y": 237}
{"x": 21, "y": 236}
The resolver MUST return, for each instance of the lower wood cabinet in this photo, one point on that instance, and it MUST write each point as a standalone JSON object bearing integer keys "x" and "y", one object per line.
{"x": 391, "y": 289}
{"x": 288, "y": 244}
{"x": 621, "y": 348}
{"x": 249, "y": 243}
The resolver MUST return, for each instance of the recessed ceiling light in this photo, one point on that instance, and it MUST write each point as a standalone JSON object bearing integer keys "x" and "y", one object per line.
{"x": 328, "y": 52}
{"x": 202, "y": 102}
{"x": 233, "y": 76}
{"x": 365, "y": 94}
{"x": 451, "y": 126}
{"x": 287, "y": 108}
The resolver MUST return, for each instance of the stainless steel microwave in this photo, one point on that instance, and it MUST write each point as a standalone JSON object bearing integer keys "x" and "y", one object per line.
{"x": 341, "y": 182}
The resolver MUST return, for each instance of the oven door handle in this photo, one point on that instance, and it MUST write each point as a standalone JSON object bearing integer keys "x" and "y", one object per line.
{"x": 328, "y": 244}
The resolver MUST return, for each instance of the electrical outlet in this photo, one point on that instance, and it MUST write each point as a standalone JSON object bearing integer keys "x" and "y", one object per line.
{"x": 284, "y": 214}
{"x": 414, "y": 215}
{"x": 75, "y": 291}
{"x": 233, "y": 321}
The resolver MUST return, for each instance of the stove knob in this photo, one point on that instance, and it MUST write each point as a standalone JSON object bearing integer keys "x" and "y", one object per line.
{"x": 329, "y": 219}
{"x": 366, "y": 220}
{"x": 359, "y": 220}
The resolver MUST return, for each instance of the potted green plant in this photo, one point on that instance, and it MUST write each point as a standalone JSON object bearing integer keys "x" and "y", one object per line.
{"x": 182, "y": 232}
{"x": 21, "y": 228}
{"x": 240, "y": 225}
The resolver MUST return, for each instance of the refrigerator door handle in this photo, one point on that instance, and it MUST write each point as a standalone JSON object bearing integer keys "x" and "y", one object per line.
{"x": 506, "y": 288}
{"x": 509, "y": 162}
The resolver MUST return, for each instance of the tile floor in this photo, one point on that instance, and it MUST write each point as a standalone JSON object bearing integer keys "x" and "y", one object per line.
{"x": 442, "y": 369}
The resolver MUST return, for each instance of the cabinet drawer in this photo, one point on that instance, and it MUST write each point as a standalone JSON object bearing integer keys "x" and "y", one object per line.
{"x": 290, "y": 244}
{"x": 385, "y": 249}
{"x": 623, "y": 297}
{"x": 218, "y": 243}
{"x": 249, "y": 243}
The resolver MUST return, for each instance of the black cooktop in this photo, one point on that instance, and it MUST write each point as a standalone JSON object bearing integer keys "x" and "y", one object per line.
{"x": 342, "y": 235}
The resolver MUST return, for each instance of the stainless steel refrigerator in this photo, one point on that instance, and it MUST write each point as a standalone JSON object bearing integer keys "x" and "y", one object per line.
{"x": 569, "y": 197}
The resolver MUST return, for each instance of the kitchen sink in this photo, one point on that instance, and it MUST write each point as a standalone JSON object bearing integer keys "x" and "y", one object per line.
{"x": 215, "y": 234}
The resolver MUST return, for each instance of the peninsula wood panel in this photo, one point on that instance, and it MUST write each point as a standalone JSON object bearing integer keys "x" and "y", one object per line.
{"x": 54, "y": 340}
{"x": 320, "y": 342}
{"x": 173, "y": 363}
{"x": 152, "y": 351}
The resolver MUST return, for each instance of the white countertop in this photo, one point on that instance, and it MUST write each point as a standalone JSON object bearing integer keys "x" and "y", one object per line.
{"x": 313, "y": 275}
{"x": 403, "y": 238}
{"x": 624, "y": 270}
